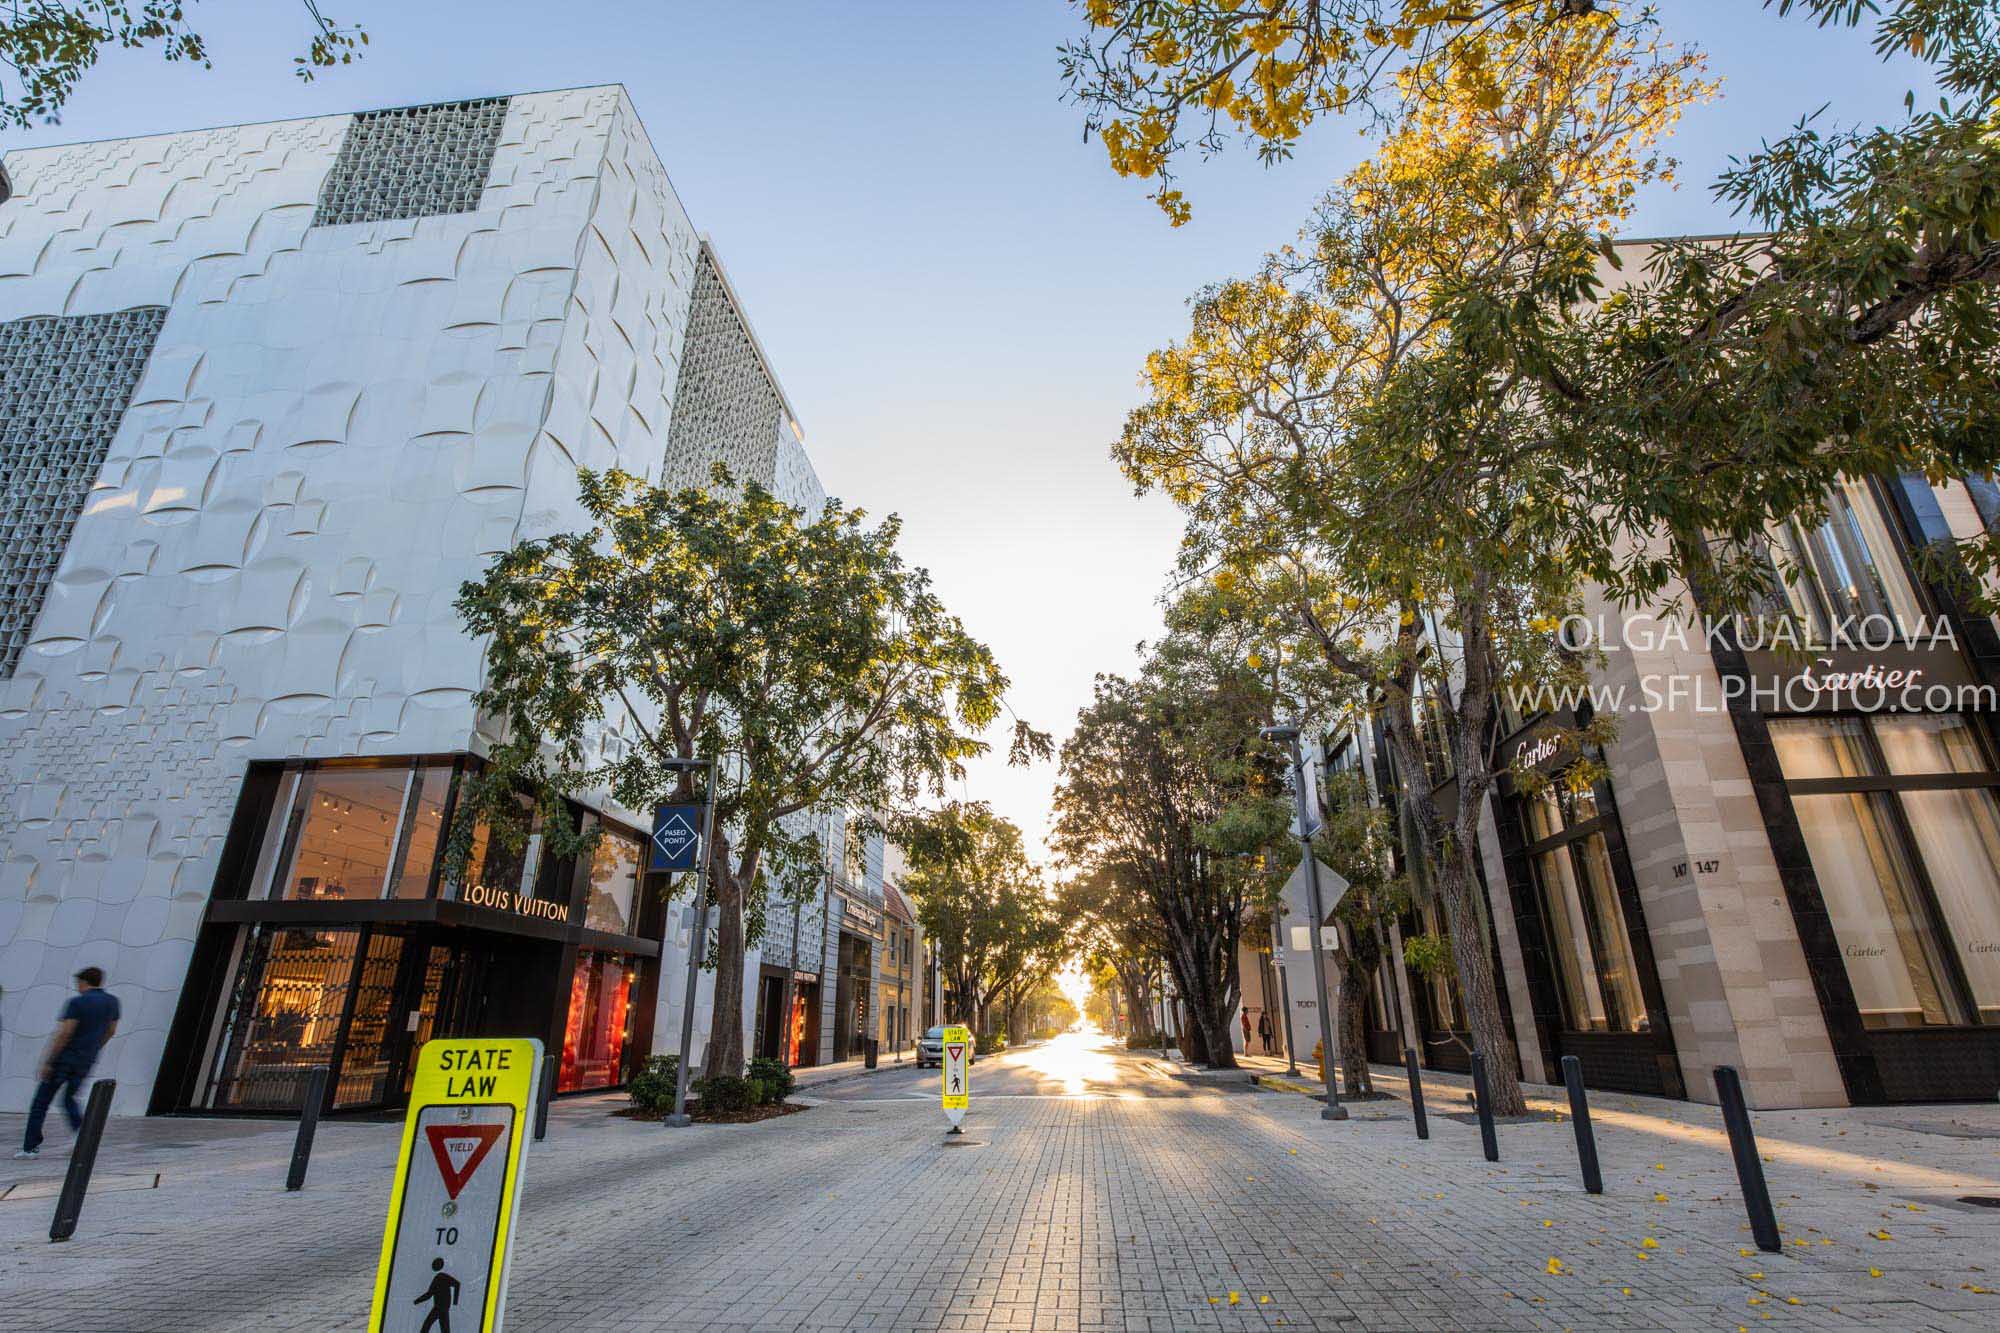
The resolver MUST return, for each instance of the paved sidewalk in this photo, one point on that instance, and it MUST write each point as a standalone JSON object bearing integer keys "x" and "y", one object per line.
{"x": 1153, "y": 1205}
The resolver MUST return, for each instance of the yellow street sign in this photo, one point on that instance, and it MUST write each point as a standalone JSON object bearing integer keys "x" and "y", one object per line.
{"x": 450, "y": 1230}
{"x": 956, "y": 1085}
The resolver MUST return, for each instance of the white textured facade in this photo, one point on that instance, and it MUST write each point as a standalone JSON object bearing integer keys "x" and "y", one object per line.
{"x": 337, "y": 425}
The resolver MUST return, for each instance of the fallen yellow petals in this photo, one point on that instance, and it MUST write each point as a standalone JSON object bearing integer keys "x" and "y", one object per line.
{"x": 1649, "y": 1244}
{"x": 1746, "y": 1253}
{"x": 1756, "y": 1277}
{"x": 1793, "y": 1300}
{"x": 1547, "y": 1223}
{"x": 1874, "y": 1272}
{"x": 1659, "y": 1198}
{"x": 1879, "y": 1235}
{"x": 1234, "y": 1297}
{"x": 1555, "y": 1267}
{"x": 1625, "y": 1291}
{"x": 1263, "y": 1300}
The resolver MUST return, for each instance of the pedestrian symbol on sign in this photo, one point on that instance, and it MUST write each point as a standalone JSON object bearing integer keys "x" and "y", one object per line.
{"x": 442, "y": 1294}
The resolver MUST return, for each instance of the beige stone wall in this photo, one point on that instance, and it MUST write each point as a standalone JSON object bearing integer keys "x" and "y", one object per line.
{"x": 1735, "y": 979}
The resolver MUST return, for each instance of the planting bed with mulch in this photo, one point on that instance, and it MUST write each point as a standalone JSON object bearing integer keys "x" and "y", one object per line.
{"x": 748, "y": 1116}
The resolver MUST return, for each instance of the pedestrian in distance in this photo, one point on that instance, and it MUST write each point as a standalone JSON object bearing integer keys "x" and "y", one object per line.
{"x": 1265, "y": 1030}
{"x": 88, "y": 1020}
{"x": 1246, "y": 1029}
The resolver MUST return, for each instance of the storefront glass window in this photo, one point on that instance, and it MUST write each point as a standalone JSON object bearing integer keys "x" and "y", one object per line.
{"x": 614, "y": 883}
{"x": 1847, "y": 566}
{"x": 1589, "y": 944}
{"x": 423, "y": 830}
{"x": 342, "y": 833}
{"x": 495, "y": 866}
{"x": 1909, "y": 870}
{"x": 599, "y": 1009}
{"x": 371, "y": 1042}
{"x": 339, "y": 833}
{"x": 283, "y": 1017}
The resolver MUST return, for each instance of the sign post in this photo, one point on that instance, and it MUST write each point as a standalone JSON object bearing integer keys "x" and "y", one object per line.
{"x": 956, "y": 1087}
{"x": 450, "y": 1230}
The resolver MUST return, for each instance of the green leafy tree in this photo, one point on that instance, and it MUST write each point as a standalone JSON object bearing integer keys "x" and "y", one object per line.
{"x": 47, "y": 46}
{"x": 1121, "y": 937}
{"x": 981, "y": 901}
{"x": 1362, "y": 486}
{"x": 1845, "y": 331}
{"x": 799, "y": 652}
{"x": 1166, "y": 788}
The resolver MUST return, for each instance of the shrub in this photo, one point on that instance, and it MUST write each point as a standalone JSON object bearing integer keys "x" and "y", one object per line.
{"x": 1141, "y": 1040}
{"x": 652, "y": 1088}
{"x": 724, "y": 1093}
{"x": 991, "y": 1043}
{"x": 771, "y": 1072}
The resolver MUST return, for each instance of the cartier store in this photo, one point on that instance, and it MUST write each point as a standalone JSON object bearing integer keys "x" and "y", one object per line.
{"x": 334, "y": 937}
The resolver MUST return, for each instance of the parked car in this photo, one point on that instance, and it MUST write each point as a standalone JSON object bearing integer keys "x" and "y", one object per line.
{"x": 930, "y": 1049}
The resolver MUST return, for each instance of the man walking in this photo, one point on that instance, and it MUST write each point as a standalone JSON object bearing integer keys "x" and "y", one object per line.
{"x": 88, "y": 1021}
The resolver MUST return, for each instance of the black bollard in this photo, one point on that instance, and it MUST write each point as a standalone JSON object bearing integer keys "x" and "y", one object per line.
{"x": 548, "y": 1093}
{"x": 1749, "y": 1168}
{"x": 1579, "y": 1114}
{"x": 82, "y": 1157}
{"x": 302, "y": 1146}
{"x": 1416, "y": 1092}
{"x": 1483, "y": 1100}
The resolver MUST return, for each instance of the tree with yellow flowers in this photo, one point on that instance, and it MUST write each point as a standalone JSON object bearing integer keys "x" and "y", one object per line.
{"x": 1361, "y": 479}
{"x": 1729, "y": 382}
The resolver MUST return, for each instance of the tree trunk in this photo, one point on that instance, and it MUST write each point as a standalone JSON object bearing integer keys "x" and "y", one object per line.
{"x": 1478, "y": 989}
{"x": 1458, "y": 893}
{"x": 1353, "y": 1034}
{"x": 725, "y": 1028}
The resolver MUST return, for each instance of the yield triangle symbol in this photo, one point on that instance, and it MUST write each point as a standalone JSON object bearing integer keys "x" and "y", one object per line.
{"x": 955, "y": 1049}
{"x": 459, "y": 1150}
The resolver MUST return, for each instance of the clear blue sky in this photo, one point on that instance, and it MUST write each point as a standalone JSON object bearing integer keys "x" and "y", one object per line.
{"x": 955, "y": 290}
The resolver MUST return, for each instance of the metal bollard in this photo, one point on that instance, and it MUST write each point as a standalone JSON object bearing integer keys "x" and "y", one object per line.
{"x": 548, "y": 1093}
{"x": 1416, "y": 1091}
{"x": 1579, "y": 1114}
{"x": 302, "y": 1146}
{"x": 82, "y": 1157}
{"x": 1749, "y": 1168}
{"x": 1483, "y": 1100}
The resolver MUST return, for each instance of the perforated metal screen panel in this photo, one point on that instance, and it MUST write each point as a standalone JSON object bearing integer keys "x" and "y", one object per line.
{"x": 65, "y": 382}
{"x": 412, "y": 162}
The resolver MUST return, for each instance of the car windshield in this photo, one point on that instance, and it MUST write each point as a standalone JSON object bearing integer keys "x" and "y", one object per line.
{"x": 935, "y": 1034}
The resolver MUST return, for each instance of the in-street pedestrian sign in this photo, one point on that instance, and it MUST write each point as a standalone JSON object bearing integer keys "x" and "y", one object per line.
{"x": 451, "y": 1213}
{"x": 956, "y": 1087}
{"x": 676, "y": 837}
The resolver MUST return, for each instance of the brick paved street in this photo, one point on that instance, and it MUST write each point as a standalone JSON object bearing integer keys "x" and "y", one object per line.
{"x": 1097, "y": 1192}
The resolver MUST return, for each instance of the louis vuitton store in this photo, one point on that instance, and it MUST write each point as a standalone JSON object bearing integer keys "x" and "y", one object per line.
{"x": 333, "y": 937}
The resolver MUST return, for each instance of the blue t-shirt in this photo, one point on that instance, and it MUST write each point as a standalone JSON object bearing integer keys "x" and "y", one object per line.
{"x": 93, "y": 1012}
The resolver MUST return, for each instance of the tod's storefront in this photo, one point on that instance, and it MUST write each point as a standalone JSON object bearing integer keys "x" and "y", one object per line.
{"x": 333, "y": 937}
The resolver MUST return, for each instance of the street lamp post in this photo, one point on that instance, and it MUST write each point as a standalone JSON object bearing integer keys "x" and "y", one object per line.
{"x": 698, "y": 942}
{"x": 1333, "y": 1110}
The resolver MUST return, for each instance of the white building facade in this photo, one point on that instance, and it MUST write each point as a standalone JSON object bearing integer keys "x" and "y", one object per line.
{"x": 268, "y": 395}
